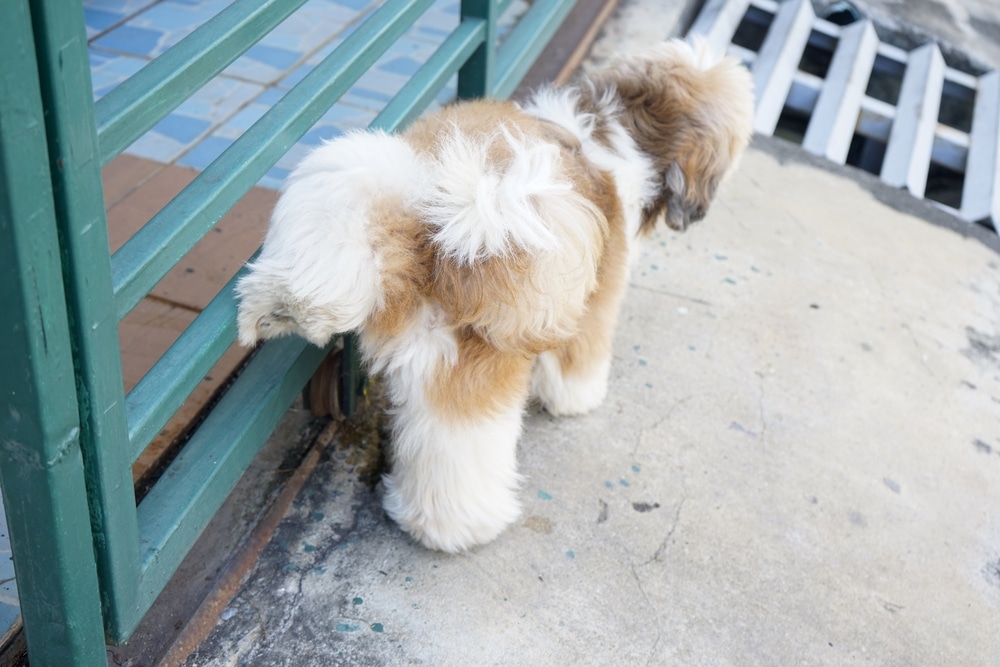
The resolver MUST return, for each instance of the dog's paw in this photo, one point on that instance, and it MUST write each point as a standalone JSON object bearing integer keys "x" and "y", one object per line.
{"x": 451, "y": 520}
{"x": 276, "y": 318}
{"x": 564, "y": 395}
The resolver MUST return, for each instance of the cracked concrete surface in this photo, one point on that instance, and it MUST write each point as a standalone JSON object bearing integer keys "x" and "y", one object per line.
{"x": 798, "y": 463}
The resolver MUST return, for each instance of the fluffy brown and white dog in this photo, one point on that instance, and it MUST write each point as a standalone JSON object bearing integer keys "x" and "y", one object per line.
{"x": 481, "y": 256}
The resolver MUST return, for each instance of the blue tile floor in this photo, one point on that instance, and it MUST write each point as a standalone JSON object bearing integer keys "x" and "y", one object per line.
{"x": 124, "y": 35}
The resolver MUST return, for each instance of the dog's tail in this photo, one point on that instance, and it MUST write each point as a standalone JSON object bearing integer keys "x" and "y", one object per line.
{"x": 519, "y": 242}
{"x": 488, "y": 191}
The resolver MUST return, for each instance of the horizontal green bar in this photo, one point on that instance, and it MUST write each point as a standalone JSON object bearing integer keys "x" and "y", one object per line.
{"x": 524, "y": 44}
{"x": 145, "y": 258}
{"x": 125, "y": 113}
{"x": 163, "y": 390}
{"x": 432, "y": 76}
{"x": 180, "y": 505}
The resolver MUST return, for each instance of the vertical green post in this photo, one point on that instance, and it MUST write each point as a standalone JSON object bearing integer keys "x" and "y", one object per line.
{"x": 64, "y": 78}
{"x": 352, "y": 380}
{"x": 41, "y": 470}
{"x": 475, "y": 78}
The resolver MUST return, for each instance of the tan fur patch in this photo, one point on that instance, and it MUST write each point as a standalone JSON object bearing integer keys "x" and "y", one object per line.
{"x": 483, "y": 382}
{"x": 474, "y": 118}
{"x": 405, "y": 259}
{"x": 597, "y": 326}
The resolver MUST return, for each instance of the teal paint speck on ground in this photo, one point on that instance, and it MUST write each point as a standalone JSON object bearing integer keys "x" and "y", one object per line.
{"x": 544, "y": 495}
{"x": 377, "y": 627}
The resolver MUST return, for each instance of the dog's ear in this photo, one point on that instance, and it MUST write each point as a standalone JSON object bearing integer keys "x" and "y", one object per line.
{"x": 675, "y": 185}
{"x": 681, "y": 200}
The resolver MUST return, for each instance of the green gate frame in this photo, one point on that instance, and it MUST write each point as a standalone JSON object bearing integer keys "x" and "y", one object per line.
{"x": 89, "y": 560}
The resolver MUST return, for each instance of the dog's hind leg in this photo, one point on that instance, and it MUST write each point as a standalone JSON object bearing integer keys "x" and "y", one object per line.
{"x": 573, "y": 379}
{"x": 454, "y": 480}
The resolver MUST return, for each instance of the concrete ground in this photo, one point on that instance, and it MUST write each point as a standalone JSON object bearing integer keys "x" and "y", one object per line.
{"x": 798, "y": 463}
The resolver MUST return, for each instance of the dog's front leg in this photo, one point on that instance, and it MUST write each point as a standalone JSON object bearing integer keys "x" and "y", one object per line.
{"x": 454, "y": 480}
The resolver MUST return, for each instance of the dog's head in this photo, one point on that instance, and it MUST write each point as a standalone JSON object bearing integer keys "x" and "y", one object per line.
{"x": 692, "y": 114}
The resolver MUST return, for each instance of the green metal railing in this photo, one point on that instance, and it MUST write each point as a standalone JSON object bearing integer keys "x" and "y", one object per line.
{"x": 89, "y": 560}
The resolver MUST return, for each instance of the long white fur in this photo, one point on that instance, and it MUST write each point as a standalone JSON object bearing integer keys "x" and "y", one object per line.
{"x": 480, "y": 211}
{"x": 454, "y": 480}
{"x": 453, "y": 484}
{"x": 318, "y": 274}
{"x": 565, "y": 396}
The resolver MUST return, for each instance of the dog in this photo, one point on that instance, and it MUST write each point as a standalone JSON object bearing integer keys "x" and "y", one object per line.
{"x": 482, "y": 255}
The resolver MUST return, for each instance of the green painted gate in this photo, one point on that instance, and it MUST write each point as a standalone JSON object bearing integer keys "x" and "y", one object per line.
{"x": 89, "y": 559}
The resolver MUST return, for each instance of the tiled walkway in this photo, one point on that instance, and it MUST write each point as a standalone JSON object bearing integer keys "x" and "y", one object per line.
{"x": 126, "y": 34}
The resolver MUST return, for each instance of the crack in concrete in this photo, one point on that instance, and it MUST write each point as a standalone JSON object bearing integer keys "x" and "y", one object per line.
{"x": 655, "y": 425}
{"x": 919, "y": 348}
{"x": 762, "y": 414}
{"x": 656, "y": 612}
{"x": 675, "y": 295}
{"x": 657, "y": 556}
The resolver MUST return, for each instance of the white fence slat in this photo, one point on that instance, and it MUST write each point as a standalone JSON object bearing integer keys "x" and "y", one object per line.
{"x": 718, "y": 20}
{"x": 778, "y": 60}
{"x": 911, "y": 140}
{"x": 835, "y": 117}
{"x": 981, "y": 195}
